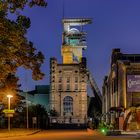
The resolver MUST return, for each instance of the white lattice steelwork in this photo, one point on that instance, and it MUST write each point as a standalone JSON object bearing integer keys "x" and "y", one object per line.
{"x": 73, "y": 40}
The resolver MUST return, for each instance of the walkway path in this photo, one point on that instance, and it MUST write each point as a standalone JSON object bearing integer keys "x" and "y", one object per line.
{"x": 17, "y": 132}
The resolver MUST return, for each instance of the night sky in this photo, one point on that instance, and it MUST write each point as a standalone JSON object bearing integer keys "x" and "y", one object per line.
{"x": 116, "y": 24}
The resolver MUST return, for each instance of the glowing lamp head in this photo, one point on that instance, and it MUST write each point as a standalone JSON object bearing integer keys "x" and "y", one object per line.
{"x": 104, "y": 130}
{"x": 9, "y": 96}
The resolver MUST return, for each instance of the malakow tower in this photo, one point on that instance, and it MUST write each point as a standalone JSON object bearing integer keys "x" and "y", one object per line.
{"x": 68, "y": 80}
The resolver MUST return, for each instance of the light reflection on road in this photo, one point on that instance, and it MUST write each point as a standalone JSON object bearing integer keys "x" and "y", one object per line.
{"x": 68, "y": 135}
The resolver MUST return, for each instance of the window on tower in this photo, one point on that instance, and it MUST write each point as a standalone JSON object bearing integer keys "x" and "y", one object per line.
{"x": 68, "y": 79}
{"x": 60, "y": 79}
{"x": 68, "y": 105}
{"x": 76, "y": 79}
{"x": 76, "y": 86}
{"x": 53, "y": 87}
{"x": 60, "y": 87}
{"x": 68, "y": 87}
{"x": 76, "y": 71}
{"x": 60, "y": 71}
{"x": 73, "y": 42}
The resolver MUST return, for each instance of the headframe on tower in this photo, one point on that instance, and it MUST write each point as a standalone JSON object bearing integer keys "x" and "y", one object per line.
{"x": 75, "y": 22}
{"x": 74, "y": 39}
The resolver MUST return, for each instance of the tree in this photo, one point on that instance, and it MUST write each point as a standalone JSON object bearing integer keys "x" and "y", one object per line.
{"x": 15, "y": 49}
{"x": 53, "y": 113}
{"x": 41, "y": 115}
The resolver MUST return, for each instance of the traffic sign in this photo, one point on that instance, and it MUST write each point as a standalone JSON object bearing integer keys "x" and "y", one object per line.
{"x": 9, "y": 115}
{"x": 7, "y": 111}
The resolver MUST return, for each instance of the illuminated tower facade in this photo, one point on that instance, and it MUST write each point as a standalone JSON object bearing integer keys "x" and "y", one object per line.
{"x": 68, "y": 80}
{"x": 73, "y": 40}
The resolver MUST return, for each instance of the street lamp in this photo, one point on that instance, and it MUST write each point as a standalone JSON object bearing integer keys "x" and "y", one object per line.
{"x": 9, "y": 97}
{"x": 27, "y": 111}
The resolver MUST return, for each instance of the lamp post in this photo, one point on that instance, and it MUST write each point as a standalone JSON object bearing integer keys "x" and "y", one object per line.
{"x": 9, "y": 97}
{"x": 27, "y": 111}
{"x": 27, "y": 106}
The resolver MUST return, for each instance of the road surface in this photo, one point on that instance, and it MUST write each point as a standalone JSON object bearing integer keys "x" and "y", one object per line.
{"x": 68, "y": 135}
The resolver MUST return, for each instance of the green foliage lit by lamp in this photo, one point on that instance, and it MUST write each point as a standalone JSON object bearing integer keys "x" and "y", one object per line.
{"x": 104, "y": 130}
{"x": 15, "y": 48}
{"x": 53, "y": 113}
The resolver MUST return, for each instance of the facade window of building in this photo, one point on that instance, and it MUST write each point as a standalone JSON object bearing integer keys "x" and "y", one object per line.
{"x": 76, "y": 79}
{"x": 76, "y": 71}
{"x": 68, "y": 79}
{"x": 76, "y": 86}
{"x": 68, "y": 86}
{"x": 83, "y": 107}
{"x": 68, "y": 105}
{"x": 60, "y": 79}
{"x": 53, "y": 86}
{"x": 60, "y": 87}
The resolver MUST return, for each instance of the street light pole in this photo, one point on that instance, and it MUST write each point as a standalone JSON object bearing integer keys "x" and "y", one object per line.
{"x": 27, "y": 111}
{"x": 27, "y": 106}
{"x": 9, "y": 97}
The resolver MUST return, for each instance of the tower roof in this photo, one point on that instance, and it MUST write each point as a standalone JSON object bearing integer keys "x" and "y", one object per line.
{"x": 77, "y": 21}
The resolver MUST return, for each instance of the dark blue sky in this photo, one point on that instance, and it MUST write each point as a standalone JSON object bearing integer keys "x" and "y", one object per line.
{"x": 116, "y": 24}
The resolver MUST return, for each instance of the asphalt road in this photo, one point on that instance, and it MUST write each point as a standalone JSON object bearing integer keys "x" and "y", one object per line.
{"x": 68, "y": 135}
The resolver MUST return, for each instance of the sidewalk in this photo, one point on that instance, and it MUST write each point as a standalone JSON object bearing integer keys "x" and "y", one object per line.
{"x": 95, "y": 132}
{"x": 17, "y": 132}
{"x": 130, "y": 132}
{"x": 123, "y": 133}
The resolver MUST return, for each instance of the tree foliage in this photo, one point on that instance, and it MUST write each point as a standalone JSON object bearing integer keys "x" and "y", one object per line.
{"x": 15, "y": 49}
{"x": 53, "y": 113}
{"x": 41, "y": 115}
{"x": 14, "y": 5}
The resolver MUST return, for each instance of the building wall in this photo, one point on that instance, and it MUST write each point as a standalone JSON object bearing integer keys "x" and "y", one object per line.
{"x": 42, "y": 99}
{"x": 117, "y": 101}
{"x": 68, "y": 80}
{"x": 38, "y": 96}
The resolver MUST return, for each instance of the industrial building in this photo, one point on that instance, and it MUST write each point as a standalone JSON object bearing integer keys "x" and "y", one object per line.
{"x": 68, "y": 80}
{"x": 38, "y": 96}
{"x": 66, "y": 99}
{"x": 121, "y": 92}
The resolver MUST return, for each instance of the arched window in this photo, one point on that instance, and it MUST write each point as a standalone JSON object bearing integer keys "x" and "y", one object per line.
{"x": 68, "y": 105}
